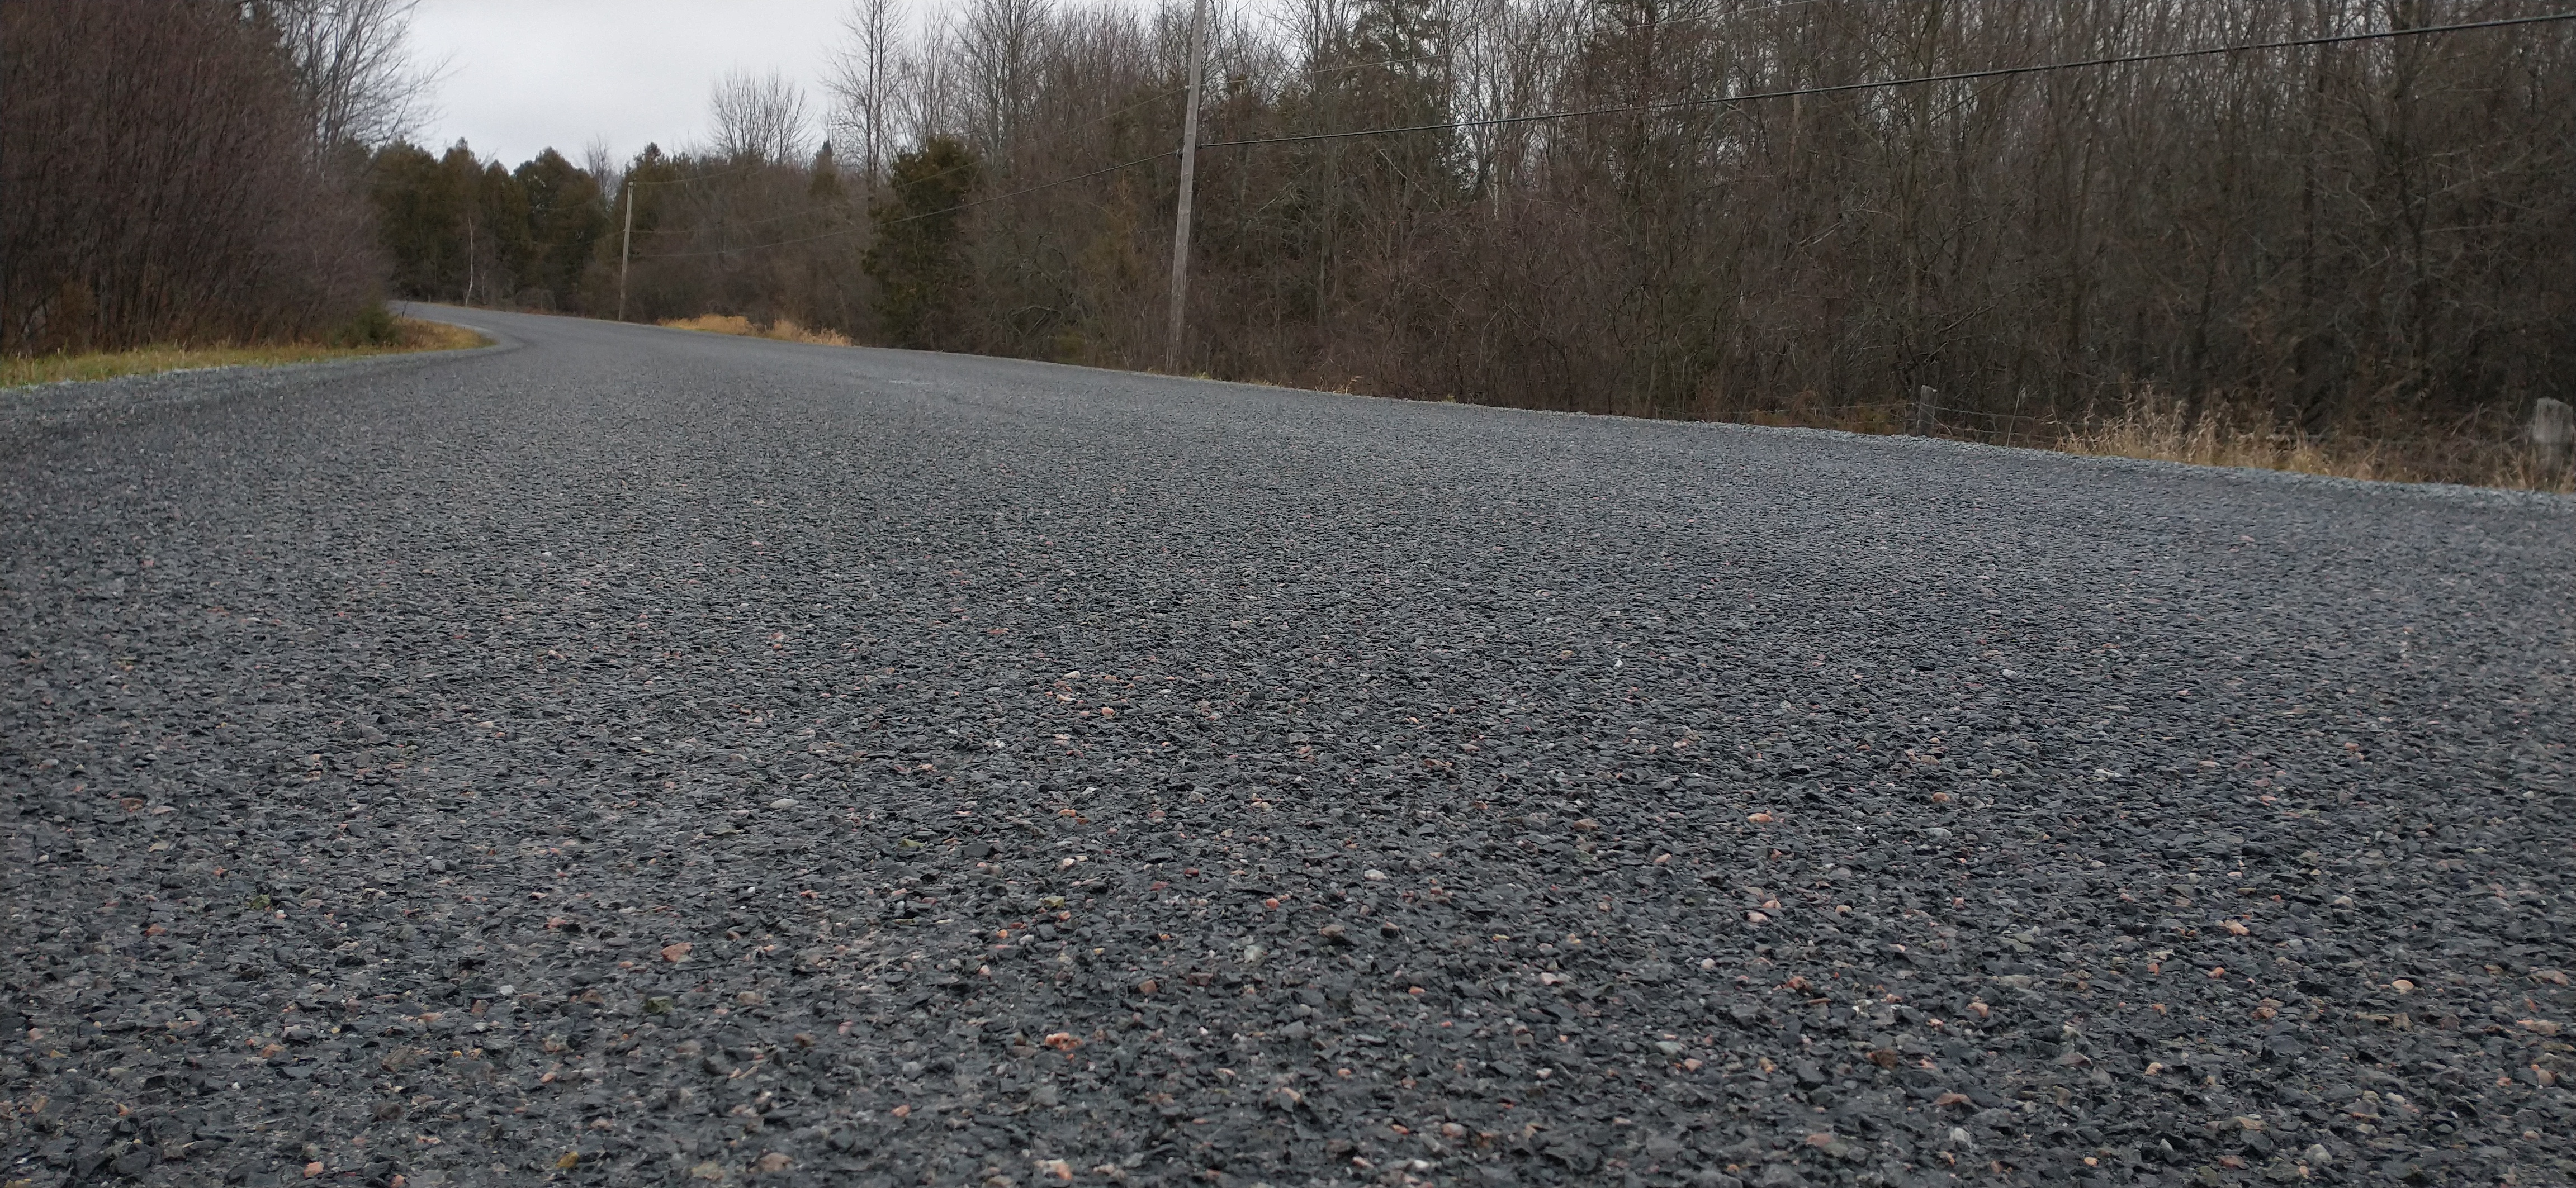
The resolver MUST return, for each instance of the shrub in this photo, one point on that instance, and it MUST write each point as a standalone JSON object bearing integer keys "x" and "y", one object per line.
{"x": 163, "y": 185}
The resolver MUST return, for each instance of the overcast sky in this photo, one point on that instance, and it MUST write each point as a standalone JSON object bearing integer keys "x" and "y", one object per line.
{"x": 525, "y": 75}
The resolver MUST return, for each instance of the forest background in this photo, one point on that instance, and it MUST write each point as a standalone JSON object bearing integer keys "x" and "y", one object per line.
{"x": 2352, "y": 252}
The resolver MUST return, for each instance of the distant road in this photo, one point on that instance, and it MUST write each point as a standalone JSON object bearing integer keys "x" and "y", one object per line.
{"x": 640, "y": 757}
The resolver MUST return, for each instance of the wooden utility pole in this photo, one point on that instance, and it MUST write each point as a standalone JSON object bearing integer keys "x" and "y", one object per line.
{"x": 2553, "y": 426}
{"x": 1189, "y": 180}
{"x": 626, "y": 249}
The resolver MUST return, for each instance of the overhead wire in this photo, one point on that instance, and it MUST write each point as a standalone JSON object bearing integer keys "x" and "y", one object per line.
{"x": 1150, "y": 99}
{"x": 1155, "y": 98}
{"x": 1914, "y": 81}
{"x": 1728, "y": 15}
{"x": 1741, "y": 97}
{"x": 747, "y": 170}
{"x": 1084, "y": 126}
{"x": 928, "y": 214}
{"x": 737, "y": 171}
{"x": 1631, "y": 26}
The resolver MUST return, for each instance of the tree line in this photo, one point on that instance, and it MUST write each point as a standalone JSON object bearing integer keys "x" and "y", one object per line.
{"x": 2365, "y": 237}
{"x": 2361, "y": 237}
{"x": 184, "y": 171}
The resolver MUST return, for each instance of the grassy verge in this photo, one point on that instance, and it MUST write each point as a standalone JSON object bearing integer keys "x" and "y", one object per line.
{"x": 2488, "y": 453}
{"x": 784, "y": 329}
{"x": 409, "y": 334}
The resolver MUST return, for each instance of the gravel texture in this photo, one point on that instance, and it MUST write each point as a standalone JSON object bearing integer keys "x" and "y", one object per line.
{"x": 635, "y": 757}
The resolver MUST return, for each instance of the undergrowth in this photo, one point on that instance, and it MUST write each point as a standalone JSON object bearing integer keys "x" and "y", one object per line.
{"x": 2152, "y": 425}
{"x": 2155, "y": 427}
{"x": 386, "y": 336}
{"x": 782, "y": 330}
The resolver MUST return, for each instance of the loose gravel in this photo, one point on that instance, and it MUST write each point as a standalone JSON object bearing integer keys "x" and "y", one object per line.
{"x": 633, "y": 757}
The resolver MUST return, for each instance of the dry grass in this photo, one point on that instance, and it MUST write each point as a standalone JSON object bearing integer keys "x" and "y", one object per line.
{"x": 2152, "y": 425}
{"x": 714, "y": 324}
{"x": 783, "y": 330}
{"x": 409, "y": 335}
{"x": 2156, "y": 427}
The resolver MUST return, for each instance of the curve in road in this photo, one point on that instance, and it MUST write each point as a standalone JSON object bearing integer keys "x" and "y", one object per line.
{"x": 630, "y": 756}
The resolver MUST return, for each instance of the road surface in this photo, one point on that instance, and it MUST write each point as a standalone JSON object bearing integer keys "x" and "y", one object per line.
{"x": 627, "y": 756}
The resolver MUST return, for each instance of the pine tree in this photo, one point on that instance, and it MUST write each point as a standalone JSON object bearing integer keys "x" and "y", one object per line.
{"x": 501, "y": 215}
{"x": 416, "y": 216}
{"x": 918, "y": 261}
{"x": 826, "y": 186}
{"x": 566, "y": 217}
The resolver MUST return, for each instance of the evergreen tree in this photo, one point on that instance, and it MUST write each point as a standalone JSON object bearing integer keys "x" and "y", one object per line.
{"x": 826, "y": 186}
{"x": 648, "y": 181}
{"x": 418, "y": 217}
{"x": 566, "y": 217}
{"x": 501, "y": 220}
{"x": 919, "y": 261}
{"x": 1399, "y": 76}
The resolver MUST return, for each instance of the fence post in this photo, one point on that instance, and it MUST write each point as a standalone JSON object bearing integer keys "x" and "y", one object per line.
{"x": 1923, "y": 424}
{"x": 2553, "y": 425}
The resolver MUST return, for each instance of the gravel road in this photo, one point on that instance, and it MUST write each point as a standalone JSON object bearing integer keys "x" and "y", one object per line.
{"x": 631, "y": 757}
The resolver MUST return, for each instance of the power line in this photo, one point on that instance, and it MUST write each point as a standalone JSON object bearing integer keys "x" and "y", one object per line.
{"x": 1687, "y": 104}
{"x": 762, "y": 222}
{"x": 1728, "y": 15}
{"x": 738, "y": 171}
{"x": 1918, "y": 80}
{"x": 1623, "y": 26}
{"x": 807, "y": 213}
{"x": 1062, "y": 181}
{"x": 963, "y": 206}
{"x": 1084, "y": 126}
{"x": 1091, "y": 123}
{"x": 1149, "y": 99}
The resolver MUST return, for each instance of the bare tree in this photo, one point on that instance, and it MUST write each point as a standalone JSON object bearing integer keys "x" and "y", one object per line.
{"x": 998, "y": 43}
{"x": 600, "y": 162}
{"x": 176, "y": 203}
{"x": 925, "y": 96}
{"x": 2350, "y": 239}
{"x": 353, "y": 61}
{"x": 758, "y": 118}
{"x": 862, "y": 76}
